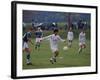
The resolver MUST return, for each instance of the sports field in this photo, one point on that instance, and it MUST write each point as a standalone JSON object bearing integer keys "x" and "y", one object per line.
{"x": 68, "y": 58}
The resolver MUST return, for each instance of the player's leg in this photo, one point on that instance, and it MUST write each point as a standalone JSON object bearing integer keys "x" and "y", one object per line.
{"x": 51, "y": 59}
{"x": 80, "y": 47}
{"x": 27, "y": 50}
{"x": 84, "y": 45}
{"x": 54, "y": 55}
{"x": 36, "y": 43}
{"x": 69, "y": 43}
{"x": 23, "y": 47}
{"x": 39, "y": 43}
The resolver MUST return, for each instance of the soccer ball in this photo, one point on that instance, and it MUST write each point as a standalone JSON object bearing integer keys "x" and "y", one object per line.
{"x": 65, "y": 48}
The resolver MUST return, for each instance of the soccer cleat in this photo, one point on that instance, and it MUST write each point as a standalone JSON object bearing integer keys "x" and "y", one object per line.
{"x": 51, "y": 61}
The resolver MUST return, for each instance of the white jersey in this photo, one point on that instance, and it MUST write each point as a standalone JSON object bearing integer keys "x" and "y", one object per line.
{"x": 70, "y": 35}
{"x": 54, "y": 39}
{"x": 82, "y": 37}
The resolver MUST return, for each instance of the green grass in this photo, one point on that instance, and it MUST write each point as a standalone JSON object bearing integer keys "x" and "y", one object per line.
{"x": 70, "y": 58}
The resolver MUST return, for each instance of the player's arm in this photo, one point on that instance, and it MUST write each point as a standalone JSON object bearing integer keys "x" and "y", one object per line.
{"x": 47, "y": 37}
{"x": 62, "y": 40}
{"x": 30, "y": 40}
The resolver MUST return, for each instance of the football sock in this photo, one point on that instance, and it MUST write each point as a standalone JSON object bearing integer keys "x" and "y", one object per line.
{"x": 54, "y": 58}
{"x": 28, "y": 57}
{"x": 80, "y": 49}
{"x": 69, "y": 44}
{"x": 36, "y": 46}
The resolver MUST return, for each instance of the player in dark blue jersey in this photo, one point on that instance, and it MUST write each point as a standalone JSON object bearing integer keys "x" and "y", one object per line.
{"x": 38, "y": 35}
{"x": 26, "y": 40}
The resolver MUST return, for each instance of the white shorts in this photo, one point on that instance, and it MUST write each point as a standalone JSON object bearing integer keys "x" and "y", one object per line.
{"x": 54, "y": 50}
{"x": 70, "y": 38}
{"x": 81, "y": 43}
{"x": 38, "y": 39}
{"x": 25, "y": 45}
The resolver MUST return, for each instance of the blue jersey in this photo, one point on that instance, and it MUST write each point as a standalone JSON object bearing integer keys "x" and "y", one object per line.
{"x": 26, "y": 36}
{"x": 38, "y": 34}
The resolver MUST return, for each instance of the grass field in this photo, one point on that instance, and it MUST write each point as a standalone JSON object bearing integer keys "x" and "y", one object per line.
{"x": 69, "y": 58}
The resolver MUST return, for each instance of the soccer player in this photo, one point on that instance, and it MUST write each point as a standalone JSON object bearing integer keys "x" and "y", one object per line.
{"x": 26, "y": 40}
{"x": 70, "y": 37}
{"x": 82, "y": 40}
{"x": 38, "y": 35}
{"x": 54, "y": 38}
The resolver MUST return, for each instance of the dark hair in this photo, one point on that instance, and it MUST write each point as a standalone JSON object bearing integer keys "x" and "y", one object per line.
{"x": 56, "y": 30}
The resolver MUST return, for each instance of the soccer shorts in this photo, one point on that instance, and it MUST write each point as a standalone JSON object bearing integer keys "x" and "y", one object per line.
{"x": 38, "y": 39}
{"x": 70, "y": 38}
{"x": 25, "y": 45}
{"x": 81, "y": 43}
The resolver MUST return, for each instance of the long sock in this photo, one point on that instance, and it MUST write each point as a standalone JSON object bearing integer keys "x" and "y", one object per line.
{"x": 28, "y": 57}
{"x": 70, "y": 44}
{"x": 54, "y": 58}
{"x": 80, "y": 49}
{"x": 38, "y": 46}
{"x": 35, "y": 46}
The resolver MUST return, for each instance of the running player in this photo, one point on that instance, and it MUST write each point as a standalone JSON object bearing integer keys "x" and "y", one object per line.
{"x": 26, "y": 40}
{"x": 54, "y": 38}
{"x": 82, "y": 40}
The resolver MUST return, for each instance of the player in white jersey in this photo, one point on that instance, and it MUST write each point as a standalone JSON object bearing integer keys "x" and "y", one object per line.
{"x": 54, "y": 39}
{"x": 82, "y": 39}
{"x": 70, "y": 37}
